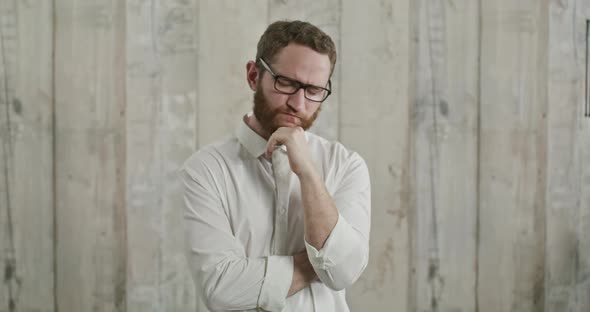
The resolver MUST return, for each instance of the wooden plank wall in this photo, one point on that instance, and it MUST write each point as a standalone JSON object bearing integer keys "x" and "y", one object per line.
{"x": 468, "y": 113}
{"x": 567, "y": 261}
{"x": 445, "y": 160}
{"x": 375, "y": 101}
{"x": 160, "y": 125}
{"x": 513, "y": 148}
{"x": 90, "y": 142}
{"x": 26, "y": 156}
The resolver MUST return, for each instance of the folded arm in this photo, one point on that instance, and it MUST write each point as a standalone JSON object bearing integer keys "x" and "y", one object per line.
{"x": 337, "y": 227}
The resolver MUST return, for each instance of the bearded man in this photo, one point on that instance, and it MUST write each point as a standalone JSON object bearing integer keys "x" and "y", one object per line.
{"x": 278, "y": 218}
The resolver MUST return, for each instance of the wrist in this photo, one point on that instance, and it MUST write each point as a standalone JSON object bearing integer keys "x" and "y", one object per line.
{"x": 303, "y": 273}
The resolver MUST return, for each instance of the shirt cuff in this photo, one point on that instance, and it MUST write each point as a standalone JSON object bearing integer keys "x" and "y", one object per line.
{"x": 276, "y": 284}
{"x": 335, "y": 248}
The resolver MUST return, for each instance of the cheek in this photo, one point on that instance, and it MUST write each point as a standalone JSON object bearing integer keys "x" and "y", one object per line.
{"x": 313, "y": 107}
{"x": 275, "y": 99}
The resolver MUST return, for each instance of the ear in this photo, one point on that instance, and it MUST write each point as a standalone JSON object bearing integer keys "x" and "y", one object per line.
{"x": 252, "y": 74}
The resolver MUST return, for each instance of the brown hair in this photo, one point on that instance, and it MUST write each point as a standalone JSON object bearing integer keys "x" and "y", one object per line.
{"x": 279, "y": 34}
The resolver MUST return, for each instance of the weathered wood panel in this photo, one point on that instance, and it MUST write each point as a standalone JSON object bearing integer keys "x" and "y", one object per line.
{"x": 568, "y": 183}
{"x": 376, "y": 57}
{"x": 513, "y": 147}
{"x": 162, "y": 42}
{"x": 90, "y": 143}
{"x": 326, "y": 15}
{"x": 26, "y": 156}
{"x": 445, "y": 121}
{"x": 228, "y": 34}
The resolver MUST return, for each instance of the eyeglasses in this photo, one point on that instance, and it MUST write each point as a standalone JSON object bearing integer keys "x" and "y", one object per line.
{"x": 291, "y": 86}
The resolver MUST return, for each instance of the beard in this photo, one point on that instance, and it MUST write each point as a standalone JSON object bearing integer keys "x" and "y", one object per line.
{"x": 266, "y": 115}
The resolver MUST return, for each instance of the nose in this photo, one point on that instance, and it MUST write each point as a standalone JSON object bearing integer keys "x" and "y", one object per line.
{"x": 297, "y": 100}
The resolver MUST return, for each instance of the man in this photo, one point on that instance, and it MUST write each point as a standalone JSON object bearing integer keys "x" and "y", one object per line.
{"x": 278, "y": 218}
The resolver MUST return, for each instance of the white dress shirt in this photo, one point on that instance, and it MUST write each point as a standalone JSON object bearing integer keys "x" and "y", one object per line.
{"x": 244, "y": 220}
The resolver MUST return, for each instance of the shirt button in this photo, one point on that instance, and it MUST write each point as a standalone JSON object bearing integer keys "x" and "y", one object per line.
{"x": 283, "y": 210}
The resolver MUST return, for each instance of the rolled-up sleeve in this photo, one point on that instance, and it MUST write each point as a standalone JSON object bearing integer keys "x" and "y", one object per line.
{"x": 345, "y": 254}
{"x": 224, "y": 276}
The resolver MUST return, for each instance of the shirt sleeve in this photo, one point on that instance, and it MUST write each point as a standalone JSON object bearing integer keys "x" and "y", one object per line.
{"x": 224, "y": 276}
{"x": 345, "y": 253}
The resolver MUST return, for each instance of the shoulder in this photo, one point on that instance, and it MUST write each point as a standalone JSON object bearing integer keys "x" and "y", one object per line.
{"x": 336, "y": 161}
{"x": 334, "y": 152}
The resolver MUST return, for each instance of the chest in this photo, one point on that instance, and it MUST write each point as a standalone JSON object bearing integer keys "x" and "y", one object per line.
{"x": 264, "y": 210}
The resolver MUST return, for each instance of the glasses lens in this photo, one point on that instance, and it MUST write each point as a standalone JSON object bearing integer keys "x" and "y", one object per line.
{"x": 316, "y": 93}
{"x": 290, "y": 86}
{"x": 286, "y": 85}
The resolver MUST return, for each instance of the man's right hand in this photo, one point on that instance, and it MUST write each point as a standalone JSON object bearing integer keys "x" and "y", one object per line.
{"x": 303, "y": 273}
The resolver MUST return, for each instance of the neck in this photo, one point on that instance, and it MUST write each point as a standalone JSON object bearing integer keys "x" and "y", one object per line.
{"x": 255, "y": 125}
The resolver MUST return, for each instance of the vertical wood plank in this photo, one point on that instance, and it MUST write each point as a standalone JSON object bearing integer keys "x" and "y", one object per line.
{"x": 568, "y": 204}
{"x": 5, "y": 235}
{"x": 513, "y": 145}
{"x": 90, "y": 155}
{"x": 376, "y": 57}
{"x": 228, "y": 34}
{"x": 445, "y": 123}
{"x": 162, "y": 42}
{"x": 26, "y": 156}
{"x": 6, "y": 288}
{"x": 325, "y": 15}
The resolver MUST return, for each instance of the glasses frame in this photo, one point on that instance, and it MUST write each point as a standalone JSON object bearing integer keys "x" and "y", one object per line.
{"x": 299, "y": 84}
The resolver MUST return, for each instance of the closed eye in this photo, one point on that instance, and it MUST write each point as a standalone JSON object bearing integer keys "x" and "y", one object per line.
{"x": 314, "y": 90}
{"x": 285, "y": 82}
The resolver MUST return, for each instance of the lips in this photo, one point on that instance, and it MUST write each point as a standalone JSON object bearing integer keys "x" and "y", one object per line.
{"x": 291, "y": 117}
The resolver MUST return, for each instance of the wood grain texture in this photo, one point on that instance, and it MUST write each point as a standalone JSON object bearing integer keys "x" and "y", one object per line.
{"x": 91, "y": 247}
{"x": 162, "y": 43}
{"x": 26, "y": 160}
{"x": 513, "y": 145}
{"x": 376, "y": 57}
{"x": 326, "y": 15}
{"x": 445, "y": 123}
{"x": 568, "y": 183}
{"x": 228, "y": 34}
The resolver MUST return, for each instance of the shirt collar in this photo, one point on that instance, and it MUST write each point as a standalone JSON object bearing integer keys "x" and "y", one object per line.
{"x": 252, "y": 141}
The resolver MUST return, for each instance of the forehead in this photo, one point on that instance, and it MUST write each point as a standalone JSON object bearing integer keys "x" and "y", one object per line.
{"x": 302, "y": 63}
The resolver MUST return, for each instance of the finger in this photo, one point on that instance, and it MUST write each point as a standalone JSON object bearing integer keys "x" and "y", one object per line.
{"x": 270, "y": 146}
{"x": 268, "y": 153}
{"x": 276, "y": 139}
